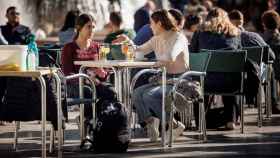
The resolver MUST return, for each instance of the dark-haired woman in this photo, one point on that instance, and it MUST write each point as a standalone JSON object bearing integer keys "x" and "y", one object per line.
{"x": 83, "y": 48}
{"x": 170, "y": 47}
{"x": 67, "y": 32}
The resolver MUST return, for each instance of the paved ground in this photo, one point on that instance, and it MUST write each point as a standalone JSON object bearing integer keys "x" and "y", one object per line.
{"x": 256, "y": 143}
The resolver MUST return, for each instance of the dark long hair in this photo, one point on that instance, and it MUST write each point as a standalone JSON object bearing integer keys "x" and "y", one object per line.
{"x": 70, "y": 19}
{"x": 166, "y": 19}
{"x": 81, "y": 21}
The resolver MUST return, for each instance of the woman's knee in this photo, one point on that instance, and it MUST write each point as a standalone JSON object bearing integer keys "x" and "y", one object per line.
{"x": 138, "y": 93}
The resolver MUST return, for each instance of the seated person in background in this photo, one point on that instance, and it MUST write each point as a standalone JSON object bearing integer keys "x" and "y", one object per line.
{"x": 250, "y": 39}
{"x": 271, "y": 23}
{"x": 2, "y": 39}
{"x": 67, "y": 32}
{"x": 144, "y": 34}
{"x": 237, "y": 19}
{"x": 142, "y": 15}
{"x": 83, "y": 48}
{"x": 170, "y": 47}
{"x": 116, "y": 22}
{"x": 13, "y": 31}
{"x": 217, "y": 32}
{"x": 191, "y": 25}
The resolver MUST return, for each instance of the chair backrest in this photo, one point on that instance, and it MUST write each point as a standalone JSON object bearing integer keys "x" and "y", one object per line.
{"x": 227, "y": 61}
{"x": 254, "y": 54}
{"x": 199, "y": 61}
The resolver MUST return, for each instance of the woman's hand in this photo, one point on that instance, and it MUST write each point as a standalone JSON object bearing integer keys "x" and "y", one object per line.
{"x": 120, "y": 38}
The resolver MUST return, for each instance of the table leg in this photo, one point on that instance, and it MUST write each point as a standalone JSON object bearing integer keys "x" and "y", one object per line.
{"x": 163, "y": 140}
{"x": 43, "y": 115}
{"x": 82, "y": 108}
{"x": 59, "y": 111}
{"x": 120, "y": 71}
{"x": 118, "y": 82}
{"x": 127, "y": 100}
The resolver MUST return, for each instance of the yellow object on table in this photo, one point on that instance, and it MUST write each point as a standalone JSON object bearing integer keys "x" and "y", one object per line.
{"x": 10, "y": 67}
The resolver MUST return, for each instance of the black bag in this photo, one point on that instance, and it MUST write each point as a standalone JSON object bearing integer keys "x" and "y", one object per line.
{"x": 111, "y": 134}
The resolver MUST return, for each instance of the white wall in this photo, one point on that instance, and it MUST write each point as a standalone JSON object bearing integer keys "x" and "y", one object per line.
{"x": 129, "y": 7}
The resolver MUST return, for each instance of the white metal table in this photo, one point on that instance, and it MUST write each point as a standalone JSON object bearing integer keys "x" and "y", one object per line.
{"x": 121, "y": 69}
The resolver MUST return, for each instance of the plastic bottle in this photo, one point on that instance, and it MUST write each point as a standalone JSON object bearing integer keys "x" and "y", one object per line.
{"x": 33, "y": 53}
{"x": 31, "y": 61}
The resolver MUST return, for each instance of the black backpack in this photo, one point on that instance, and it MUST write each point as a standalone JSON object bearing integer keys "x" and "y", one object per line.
{"x": 111, "y": 134}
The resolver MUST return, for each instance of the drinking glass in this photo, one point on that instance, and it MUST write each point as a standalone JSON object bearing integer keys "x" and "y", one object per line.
{"x": 128, "y": 51}
{"x": 104, "y": 50}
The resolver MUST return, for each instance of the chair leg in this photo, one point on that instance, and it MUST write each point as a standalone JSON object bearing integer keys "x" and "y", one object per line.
{"x": 203, "y": 121}
{"x": 63, "y": 136}
{"x": 268, "y": 93}
{"x": 52, "y": 137}
{"x": 242, "y": 114}
{"x": 203, "y": 111}
{"x": 259, "y": 105}
{"x": 17, "y": 127}
{"x": 171, "y": 125}
{"x": 200, "y": 119}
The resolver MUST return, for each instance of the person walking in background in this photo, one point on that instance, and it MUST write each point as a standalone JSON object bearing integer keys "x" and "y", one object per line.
{"x": 13, "y": 31}
{"x": 67, "y": 32}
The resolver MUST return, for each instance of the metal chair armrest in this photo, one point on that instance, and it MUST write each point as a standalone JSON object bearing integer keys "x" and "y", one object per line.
{"x": 187, "y": 74}
{"x": 81, "y": 75}
{"x": 139, "y": 74}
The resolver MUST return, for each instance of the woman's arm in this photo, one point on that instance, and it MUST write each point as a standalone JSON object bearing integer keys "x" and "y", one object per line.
{"x": 67, "y": 60}
{"x": 145, "y": 48}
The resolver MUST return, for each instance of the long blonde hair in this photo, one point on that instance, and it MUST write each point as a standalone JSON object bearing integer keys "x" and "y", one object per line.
{"x": 217, "y": 21}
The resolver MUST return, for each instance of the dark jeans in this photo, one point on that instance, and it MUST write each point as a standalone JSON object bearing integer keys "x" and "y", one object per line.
{"x": 274, "y": 93}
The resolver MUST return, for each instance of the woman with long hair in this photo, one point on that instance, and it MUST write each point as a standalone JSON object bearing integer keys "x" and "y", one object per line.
{"x": 217, "y": 32}
{"x": 67, "y": 32}
{"x": 170, "y": 47}
{"x": 84, "y": 48}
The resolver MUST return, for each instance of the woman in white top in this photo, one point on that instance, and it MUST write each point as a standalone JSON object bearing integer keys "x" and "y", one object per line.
{"x": 171, "y": 49}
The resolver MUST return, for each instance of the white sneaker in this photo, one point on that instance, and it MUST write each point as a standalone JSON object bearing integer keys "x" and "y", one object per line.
{"x": 152, "y": 129}
{"x": 178, "y": 131}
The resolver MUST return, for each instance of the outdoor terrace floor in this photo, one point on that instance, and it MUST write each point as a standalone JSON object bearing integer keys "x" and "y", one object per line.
{"x": 256, "y": 143}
